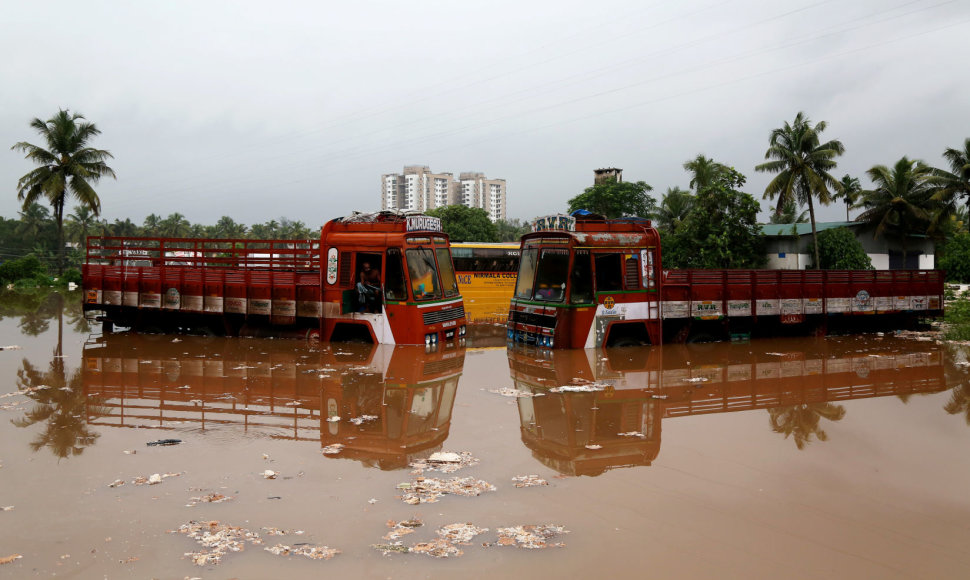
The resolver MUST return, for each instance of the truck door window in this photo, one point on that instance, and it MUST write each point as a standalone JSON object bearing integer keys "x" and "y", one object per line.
{"x": 448, "y": 281}
{"x": 424, "y": 273}
{"x": 394, "y": 286}
{"x": 581, "y": 279}
{"x": 609, "y": 272}
{"x": 524, "y": 282}
{"x": 551, "y": 274}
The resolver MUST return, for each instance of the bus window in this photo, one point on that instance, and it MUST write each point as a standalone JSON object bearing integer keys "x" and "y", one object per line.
{"x": 581, "y": 279}
{"x": 394, "y": 286}
{"x": 424, "y": 274}
{"x": 609, "y": 273}
{"x": 448, "y": 281}
{"x": 551, "y": 274}
{"x": 527, "y": 272}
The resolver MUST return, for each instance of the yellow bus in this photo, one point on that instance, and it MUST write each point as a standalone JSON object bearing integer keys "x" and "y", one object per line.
{"x": 486, "y": 279}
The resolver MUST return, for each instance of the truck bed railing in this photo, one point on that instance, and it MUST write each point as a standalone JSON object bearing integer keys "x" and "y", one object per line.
{"x": 243, "y": 254}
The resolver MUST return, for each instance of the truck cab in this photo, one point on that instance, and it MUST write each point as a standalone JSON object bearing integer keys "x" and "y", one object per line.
{"x": 585, "y": 281}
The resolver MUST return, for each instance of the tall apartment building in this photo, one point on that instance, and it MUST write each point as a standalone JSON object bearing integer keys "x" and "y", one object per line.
{"x": 419, "y": 189}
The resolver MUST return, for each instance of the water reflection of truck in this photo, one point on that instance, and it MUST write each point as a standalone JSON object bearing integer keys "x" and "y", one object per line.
{"x": 307, "y": 288}
{"x": 262, "y": 386}
{"x": 619, "y": 425}
{"x": 589, "y": 282}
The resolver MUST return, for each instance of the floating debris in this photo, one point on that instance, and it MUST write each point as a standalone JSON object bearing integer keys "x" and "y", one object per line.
{"x": 594, "y": 447}
{"x": 333, "y": 449}
{"x": 428, "y": 490}
{"x": 632, "y": 434}
{"x": 510, "y": 392}
{"x": 444, "y": 461}
{"x": 313, "y": 552}
{"x": 528, "y": 481}
{"x": 697, "y": 380}
{"x": 213, "y": 497}
{"x": 10, "y": 558}
{"x": 130, "y": 452}
{"x": 164, "y": 442}
{"x": 270, "y": 474}
{"x": 117, "y": 483}
{"x": 363, "y": 419}
{"x": 531, "y": 537}
{"x": 459, "y": 533}
{"x": 372, "y": 501}
{"x": 11, "y": 347}
{"x": 333, "y": 419}
{"x": 439, "y": 548}
{"x": 590, "y": 388}
{"x": 217, "y": 540}
{"x": 153, "y": 479}
{"x": 395, "y": 547}
{"x": 401, "y": 528}
{"x": 270, "y": 531}
{"x": 6, "y": 508}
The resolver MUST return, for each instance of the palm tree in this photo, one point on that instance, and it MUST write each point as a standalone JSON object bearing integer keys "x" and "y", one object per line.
{"x": 788, "y": 215}
{"x": 802, "y": 163}
{"x": 67, "y": 168}
{"x": 34, "y": 219}
{"x": 705, "y": 172}
{"x": 674, "y": 207}
{"x": 152, "y": 225}
{"x": 227, "y": 227}
{"x": 850, "y": 193}
{"x": 174, "y": 226}
{"x": 901, "y": 204}
{"x": 124, "y": 228}
{"x": 81, "y": 223}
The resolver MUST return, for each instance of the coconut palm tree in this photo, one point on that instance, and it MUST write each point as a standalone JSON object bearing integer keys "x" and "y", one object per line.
{"x": 704, "y": 171}
{"x": 788, "y": 215}
{"x": 850, "y": 193}
{"x": 674, "y": 207}
{"x": 81, "y": 223}
{"x": 227, "y": 227}
{"x": 174, "y": 226}
{"x": 34, "y": 219}
{"x": 124, "y": 228}
{"x": 67, "y": 168}
{"x": 152, "y": 225}
{"x": 902, "y": 202}
{"x": 803, "y": 164}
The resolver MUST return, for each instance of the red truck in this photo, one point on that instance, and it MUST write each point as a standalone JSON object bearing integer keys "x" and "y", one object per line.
{"x": 588, "y": 282}
{"x": 383, "y": 278}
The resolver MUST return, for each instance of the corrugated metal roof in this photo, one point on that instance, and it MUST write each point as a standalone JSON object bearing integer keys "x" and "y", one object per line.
{"x": 805, "y": 229}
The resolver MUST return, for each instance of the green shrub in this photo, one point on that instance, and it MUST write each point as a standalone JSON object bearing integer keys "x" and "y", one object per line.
{"x": 956, "y": 258}
{"x": 839, "y": 249}
{"x": 70, "y": 275}
{"x": 26, "y": 268}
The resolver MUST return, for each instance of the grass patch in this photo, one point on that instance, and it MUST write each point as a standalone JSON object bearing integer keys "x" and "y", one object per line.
{"x": 957, "y": 318}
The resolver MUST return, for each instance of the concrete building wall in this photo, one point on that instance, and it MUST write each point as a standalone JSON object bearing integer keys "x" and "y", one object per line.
{"x": 418, "y": 189}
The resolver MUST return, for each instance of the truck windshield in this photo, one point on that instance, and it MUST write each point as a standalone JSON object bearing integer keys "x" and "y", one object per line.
{"x": 448, "y": 281}
{"x": 424, "y": 274}
{"x": 551, "y": 274}
{"x": 527, "y": 273}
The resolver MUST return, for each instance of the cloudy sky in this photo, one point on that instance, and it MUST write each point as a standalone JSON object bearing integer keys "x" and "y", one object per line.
{"x": 295, "y": 109}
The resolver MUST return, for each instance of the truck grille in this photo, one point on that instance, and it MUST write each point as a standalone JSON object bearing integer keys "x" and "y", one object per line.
{"x": 543, "y": 320}
{"x": 444, "y": 315}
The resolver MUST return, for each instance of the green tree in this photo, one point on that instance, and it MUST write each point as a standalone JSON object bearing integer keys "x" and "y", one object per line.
{"x": 174, "y": 226}
{"x": 841, "y": 250}
{"x": 956, "y": 258}
{"x": 466, "y": 224}
{"x": 152, "y": 226}
{"x": 67, "y": 168}
{"x": 955, "y": 182}
{"x": 266, "y": 231}
{"x": 124, "y": 228}
{"x": 34, "y": 221}
{"x": 788, "y": 215}
{"x": 511, "y": 230}
{"x": 705, "y": 172}
{"x": 802, "y": 163}
{"x": 721, "y": 230}
{"x": 674, "y": 209}
{"x": 901, "y": 204}
{"x": 616, "y": 199}
{"x": 226, "y": 227}
{"x": 80, "y": 224}
{"x": 850, "y": 192}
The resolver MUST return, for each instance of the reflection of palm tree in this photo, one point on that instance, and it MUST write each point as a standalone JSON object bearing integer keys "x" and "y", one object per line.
{"x": 802, "y": 421}
{"x": 959, "y": 403}
{"x": 60, "y": 402}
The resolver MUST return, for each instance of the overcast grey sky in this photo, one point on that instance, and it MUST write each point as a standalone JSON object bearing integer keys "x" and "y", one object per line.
{"x": 257, "y": 110}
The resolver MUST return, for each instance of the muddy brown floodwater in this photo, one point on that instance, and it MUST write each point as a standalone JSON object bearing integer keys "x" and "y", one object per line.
{"x": 843, "y": 457}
